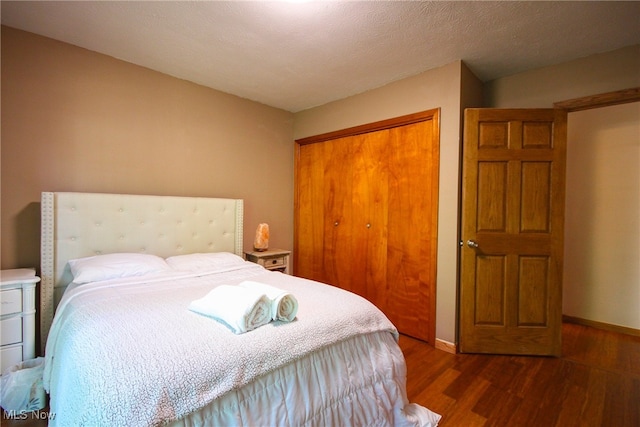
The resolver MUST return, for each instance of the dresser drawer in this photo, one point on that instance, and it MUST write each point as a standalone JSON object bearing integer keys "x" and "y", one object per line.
{"x": 11, "y": 330}
{"x": 10, "y": 356}
{"x": 11, "y": 301}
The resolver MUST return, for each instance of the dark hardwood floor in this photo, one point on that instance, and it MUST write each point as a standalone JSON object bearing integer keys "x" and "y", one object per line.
{"x": 596, "y": 382}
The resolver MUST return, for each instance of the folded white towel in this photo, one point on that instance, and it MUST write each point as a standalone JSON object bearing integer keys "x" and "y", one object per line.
{"x": 241, "y": 309}
{"x": 284, "y": 306}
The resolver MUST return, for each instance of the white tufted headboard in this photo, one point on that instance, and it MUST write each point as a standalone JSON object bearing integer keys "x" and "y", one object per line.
{"x": 75, "y": 225}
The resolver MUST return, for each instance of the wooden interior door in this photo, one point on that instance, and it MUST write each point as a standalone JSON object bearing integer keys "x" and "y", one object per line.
{"x": 512, "y": 231}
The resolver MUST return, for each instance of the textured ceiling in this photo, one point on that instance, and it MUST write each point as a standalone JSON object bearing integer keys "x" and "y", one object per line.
{"x": 297, "y": 55}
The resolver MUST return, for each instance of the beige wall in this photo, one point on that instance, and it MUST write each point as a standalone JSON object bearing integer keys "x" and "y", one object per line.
{"x": 437, "y": 88}
{"x": 602, "y": 73}
{"x": 601, "y": 281}
{"x": 76, "y": 120}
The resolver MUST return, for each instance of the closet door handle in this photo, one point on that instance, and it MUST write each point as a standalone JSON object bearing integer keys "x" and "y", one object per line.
{"x": 472, "y": 244}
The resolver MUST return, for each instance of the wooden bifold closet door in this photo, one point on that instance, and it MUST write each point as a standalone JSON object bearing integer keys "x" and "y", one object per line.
{"x": 366, "y": 215}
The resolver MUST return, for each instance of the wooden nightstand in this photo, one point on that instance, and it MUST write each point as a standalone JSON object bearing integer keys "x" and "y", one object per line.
{"x": 18, "y": 316}
{"x": 272, "y": 259}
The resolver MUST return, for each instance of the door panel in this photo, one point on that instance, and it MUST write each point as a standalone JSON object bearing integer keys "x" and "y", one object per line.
{"x": 337, "y": 222}
{"x": 411, "y": 253}
{"x": 512, "y": 226}
{"x": 369, "y": 215}
{"x": 535, "y": 196}
{"x": 490, "y": 290}
{"x": 492, "y": 202}
{"x": 311, "y": 234}
{"x": 533, "y": 290}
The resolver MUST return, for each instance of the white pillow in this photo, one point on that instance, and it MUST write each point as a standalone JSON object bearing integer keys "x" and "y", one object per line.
{"x": 211, "y": 261}
{"x": 114, "y": 266}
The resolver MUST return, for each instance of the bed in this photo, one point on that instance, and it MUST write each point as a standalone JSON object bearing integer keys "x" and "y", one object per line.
{"x": 123, "y": 347}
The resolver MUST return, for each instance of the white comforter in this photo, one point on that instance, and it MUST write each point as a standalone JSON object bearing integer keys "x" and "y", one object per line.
{"x": 129, "y": 352}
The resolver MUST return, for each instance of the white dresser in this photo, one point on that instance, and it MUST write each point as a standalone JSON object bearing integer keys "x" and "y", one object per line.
{"x": 18, "y": 316}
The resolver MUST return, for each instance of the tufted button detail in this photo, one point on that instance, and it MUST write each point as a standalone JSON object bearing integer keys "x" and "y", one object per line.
{"x": 73, "y": 238}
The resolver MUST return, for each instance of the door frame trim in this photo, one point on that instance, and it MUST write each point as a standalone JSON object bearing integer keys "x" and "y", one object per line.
{"x": 600, "y": 100}
{"x": 433, "y": 114}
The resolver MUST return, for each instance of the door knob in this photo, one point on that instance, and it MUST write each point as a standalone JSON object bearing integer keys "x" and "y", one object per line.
{"x": 472, "y": 244}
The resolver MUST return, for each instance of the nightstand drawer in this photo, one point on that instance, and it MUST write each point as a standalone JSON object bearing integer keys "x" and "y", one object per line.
{"x": 274, "y": 262}
{"x": 11, "y": 330}
{"x": 272, "y": 259}
{"x": 11, "y": 301}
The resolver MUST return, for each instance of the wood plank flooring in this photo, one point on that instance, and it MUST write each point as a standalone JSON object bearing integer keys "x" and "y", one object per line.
{"x": 595, "y": 383}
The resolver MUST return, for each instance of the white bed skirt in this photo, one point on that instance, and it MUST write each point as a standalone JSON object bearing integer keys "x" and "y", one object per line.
{"x": 324, "y": 389}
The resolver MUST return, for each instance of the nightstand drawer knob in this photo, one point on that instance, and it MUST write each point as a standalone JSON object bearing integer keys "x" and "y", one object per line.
{"x": 336, "y": 223}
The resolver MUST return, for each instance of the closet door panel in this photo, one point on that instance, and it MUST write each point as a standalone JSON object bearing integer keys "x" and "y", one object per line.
{"x": 370, "y": 204}
{"x": 337, "y": 258}
{"x": 411, "y": 232}
{"x": 310, "y": 214}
